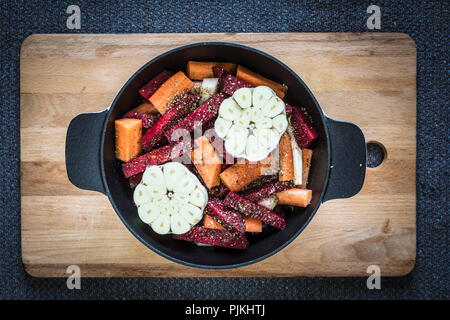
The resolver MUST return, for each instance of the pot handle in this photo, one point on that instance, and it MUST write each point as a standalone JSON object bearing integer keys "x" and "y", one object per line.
{"x": 348, "y": 160}
{"x": 83, "y": 141}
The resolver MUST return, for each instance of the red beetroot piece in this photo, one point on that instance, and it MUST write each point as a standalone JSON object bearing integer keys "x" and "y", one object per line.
{"x": 265, "y": 191}
{"x": 147, "y": 119}
{"x": 191, "y": 167}
{"x": 219, "y": 71}
{"x": 229, "y": 219}
{"x": 135, "y": 180}
{"x": 288, "y": 109}
{"x": 215, "y": 237}
{"x": 228, "y": 83}
{"x": 218, "y": 192}
{"x": 155, "y": 157}
{"x": 248, "y": 208}
{"x": 182, "y": 107}
{"x": 304, "y": 132}
{"x": 260, "y": 181}
{"x": 149, "y": 89}
{"x": 208, "y": 110}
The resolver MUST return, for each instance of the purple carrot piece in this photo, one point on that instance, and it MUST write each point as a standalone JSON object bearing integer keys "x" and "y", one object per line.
{"x": 219, "y": 71}
{"x": 191, "y": 167}
{"x": 229, "y": 219}
{"x": 228, "y": 83}
{"x": 155, "y": 157}
{"x": 147, "y": 119}
{"x": 288, "y": 109}
{"x": 215, "y": 237}
{"x": 304, "y": 132}
{"x": 182, "y": 107}
{"x": 150, "y": 88}
{"x": 207, "y": 126}
{"x": 200, "y": 116}
{"x": 218, "y": 192}
{"x": 135, "y": 166}
{"x": 248, "y": 208}
{"x": 135, "y": 180}
{"x": 266, "y": 190}
{"x": 260, "y": 181}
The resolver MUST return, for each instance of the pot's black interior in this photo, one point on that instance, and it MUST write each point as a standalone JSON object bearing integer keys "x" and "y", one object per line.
{"x": 260, "y": 246}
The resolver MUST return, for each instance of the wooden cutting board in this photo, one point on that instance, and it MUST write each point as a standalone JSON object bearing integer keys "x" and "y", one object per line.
{"x": 368, "y": 79}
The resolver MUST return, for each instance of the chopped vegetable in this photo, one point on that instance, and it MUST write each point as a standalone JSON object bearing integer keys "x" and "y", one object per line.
{"x": 220, "y": 238}
{"x": 248, "y": 208}
{"x": 252, "y": 224}
{"x": 258, "y": 80}
{"x": 209, "y": 222}
{"x": 128, "y": 138}
{"x": 135, "y": 180}
{"x": 286, "y": 172}
{"x": 155, "y": 157}
{"x": 218, "y": 192}
{"x": 264, "y": 179}
{"x": 251, "y": 122}
{"x": 209, "y": 87}
{"x": 147, "y": 119}
{"x": 306, "y": 157}
{"x": 269, "y": 203}
{"x": 304, "y": 132}
{"x": 150, "y": 88}
{"x": 265, "y": 191}
{"x": 295, "y": 197}
{"x": 241, "y": 174}
{"x": 288, "y": 110}
{"x": 200, "y": 116}
{"x": 170, "y": 198}
{"x": 145, "y": 107}
{"x": 170, "y": 91}
{"x": 229, "y": 219}
{"x": 228, "y": 83}
{"x": 182, "y": 107}
{"x": 207, "y": 162}
{"x": 199, "y": 70}
{"x": 296, "y": 157}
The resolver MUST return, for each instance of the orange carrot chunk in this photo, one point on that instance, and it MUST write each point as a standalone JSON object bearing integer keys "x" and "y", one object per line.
{"x": 251, "y": 224}
{"x": 207, "y": 162}
{"x": 199, "y": 70}
{"x": 209, "y": 222}
{"x": 286, "y": 172}
{"x": 258, "y": 80}
{"x": 295, "y": 197}
{"x": 306, "y": 156}
{"x": 128, "y": 138}
{"x": 172, "y": 89}
{"x": 241, "y": 174}
{"x": 145, "y": 107}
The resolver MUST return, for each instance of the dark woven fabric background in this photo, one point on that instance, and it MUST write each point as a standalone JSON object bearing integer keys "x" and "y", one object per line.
{"x": 425, "y": 21}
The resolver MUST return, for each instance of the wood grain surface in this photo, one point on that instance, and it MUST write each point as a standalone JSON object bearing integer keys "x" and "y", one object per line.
{"x": 368, "y": 79}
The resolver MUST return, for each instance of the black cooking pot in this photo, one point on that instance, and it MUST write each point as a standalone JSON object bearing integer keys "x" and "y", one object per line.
{"x": 337, "y": 170}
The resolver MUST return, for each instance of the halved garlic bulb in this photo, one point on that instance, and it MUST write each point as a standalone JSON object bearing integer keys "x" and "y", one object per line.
{"x": 251, "y": 122}
{"x": 170, "y": 198}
